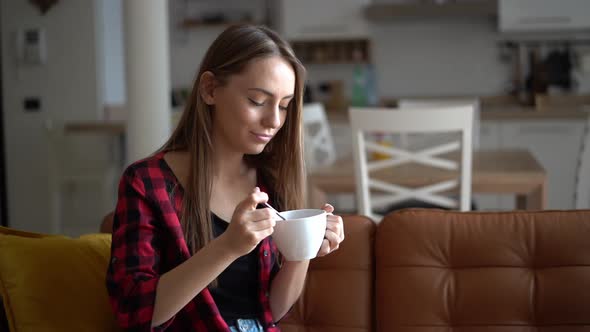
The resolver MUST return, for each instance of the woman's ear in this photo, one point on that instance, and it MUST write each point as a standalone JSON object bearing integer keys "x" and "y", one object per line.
{"x": 207, "y": 84}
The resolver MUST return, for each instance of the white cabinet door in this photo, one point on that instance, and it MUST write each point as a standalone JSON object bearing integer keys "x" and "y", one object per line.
{"x": 323, "y": 19}
{"x": 556, "y": 145}
{"x": 489, "y": 139}
{"x": 543, "y": 15}
{"x": 342, "y": 137}
{"x": 489, "y": 135}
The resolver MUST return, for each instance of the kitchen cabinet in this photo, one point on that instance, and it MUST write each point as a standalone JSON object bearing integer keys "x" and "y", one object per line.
{"x": 382, "y": 10}
{"x": 543, "y": 15}
{"x": 489, "y": 135}
{"x": 556, "y": 145}
{"x": 322, "y": 19}
{"x": 489, "y": 139}
{"x": 342, "y": 138}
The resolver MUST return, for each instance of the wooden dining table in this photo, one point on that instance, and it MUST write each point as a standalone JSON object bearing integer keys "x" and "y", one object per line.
{"x": 514, "y": 171}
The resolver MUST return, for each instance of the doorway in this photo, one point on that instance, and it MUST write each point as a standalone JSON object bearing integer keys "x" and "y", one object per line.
{"x": 3, "y": 206}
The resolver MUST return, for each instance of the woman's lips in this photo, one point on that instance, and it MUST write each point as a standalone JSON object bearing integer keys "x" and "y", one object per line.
{"x": 262, "y": 137}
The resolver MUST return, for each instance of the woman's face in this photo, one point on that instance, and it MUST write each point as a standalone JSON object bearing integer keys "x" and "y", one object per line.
{"x": 251, "y": 107}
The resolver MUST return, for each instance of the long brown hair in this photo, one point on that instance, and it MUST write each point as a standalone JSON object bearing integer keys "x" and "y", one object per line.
{"x": 281, "y": 161}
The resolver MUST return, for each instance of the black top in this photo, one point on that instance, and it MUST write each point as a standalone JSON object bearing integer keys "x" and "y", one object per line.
{"x": 237, "y": 293}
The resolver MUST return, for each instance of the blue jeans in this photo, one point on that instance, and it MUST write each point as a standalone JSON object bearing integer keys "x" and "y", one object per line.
{"x": 246, "y": 325}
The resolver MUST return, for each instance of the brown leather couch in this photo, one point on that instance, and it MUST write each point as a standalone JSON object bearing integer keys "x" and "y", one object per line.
{"x": 424, "y": 270}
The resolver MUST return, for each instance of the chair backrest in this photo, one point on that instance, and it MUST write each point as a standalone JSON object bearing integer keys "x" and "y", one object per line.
{"x": 373, "y": 192}
{"x": 582, "y": 194}
{"x": 319, "y": 145}
{"x": 446, "y": 102}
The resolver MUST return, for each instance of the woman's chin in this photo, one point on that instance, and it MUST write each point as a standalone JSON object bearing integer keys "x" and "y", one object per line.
{"x": 256, "y": 149}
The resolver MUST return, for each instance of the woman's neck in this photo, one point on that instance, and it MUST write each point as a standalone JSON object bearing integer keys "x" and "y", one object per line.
{"x": 228, "y": 164}
{"x": 229, "y": 167}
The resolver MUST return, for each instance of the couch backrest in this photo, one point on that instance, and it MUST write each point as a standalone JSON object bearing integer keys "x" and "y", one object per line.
{"x": 338, "y": 295}
{"x": 483, "y": 271}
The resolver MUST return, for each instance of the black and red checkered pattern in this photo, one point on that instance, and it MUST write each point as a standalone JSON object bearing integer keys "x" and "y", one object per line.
{"x": 148, "y": 241}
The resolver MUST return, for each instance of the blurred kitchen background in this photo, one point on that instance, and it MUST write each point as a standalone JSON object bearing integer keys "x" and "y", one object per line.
{"x": 64, "y": 90}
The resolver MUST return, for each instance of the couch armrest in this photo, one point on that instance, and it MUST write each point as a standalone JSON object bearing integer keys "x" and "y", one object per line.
{"x": 338, "y": 294}
{"x": 106, "y": 225}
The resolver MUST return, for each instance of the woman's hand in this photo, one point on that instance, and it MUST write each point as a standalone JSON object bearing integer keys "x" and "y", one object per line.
{"x": 334, "y": 232}
{"x": 249, "y": 225}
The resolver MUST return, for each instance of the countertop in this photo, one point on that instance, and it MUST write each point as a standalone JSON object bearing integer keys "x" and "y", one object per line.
{"x": 506, "y": 108}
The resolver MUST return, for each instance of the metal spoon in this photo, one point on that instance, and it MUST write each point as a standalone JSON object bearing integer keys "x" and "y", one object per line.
{"x": 275, "y": 211}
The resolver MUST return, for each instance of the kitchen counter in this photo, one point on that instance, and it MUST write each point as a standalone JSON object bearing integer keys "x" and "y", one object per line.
{"x": 97, "y": 127}
{"x": 523, "y": 113}
{"x": 506, "y": 108}
{"x": 500, "y": 113}
{"x": 564, "y": 107}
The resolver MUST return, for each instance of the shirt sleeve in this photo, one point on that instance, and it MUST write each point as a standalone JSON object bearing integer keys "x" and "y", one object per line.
{"x": 133, "y": 272}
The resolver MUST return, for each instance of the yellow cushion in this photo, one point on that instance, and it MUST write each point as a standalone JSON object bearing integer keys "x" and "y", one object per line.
{"x": 55, "y": 283}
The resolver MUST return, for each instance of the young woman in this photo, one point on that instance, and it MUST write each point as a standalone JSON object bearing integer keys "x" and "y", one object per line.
{"x": 191, "y": 248}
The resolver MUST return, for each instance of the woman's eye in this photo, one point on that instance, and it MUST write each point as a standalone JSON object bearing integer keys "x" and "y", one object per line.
{"x": 284, "y": 108}
{"x": 255, "y": 103}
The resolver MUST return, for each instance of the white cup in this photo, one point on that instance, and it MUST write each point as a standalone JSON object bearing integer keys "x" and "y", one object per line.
{"x": 300, "y": 236}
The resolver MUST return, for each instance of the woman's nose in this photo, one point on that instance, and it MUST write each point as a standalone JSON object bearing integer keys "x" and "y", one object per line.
{"x": 272, "y": 118}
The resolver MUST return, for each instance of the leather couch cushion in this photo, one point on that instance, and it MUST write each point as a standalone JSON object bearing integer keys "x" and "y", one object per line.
{"x": 339, "y": 286}
{"x": 503, "y": 271}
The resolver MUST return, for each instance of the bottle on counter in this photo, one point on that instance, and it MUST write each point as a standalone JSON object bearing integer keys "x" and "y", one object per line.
{"x": 359, "y": 87}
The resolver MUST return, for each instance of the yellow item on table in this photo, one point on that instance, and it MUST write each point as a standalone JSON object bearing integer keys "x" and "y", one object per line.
{"x": 379, "y": 155}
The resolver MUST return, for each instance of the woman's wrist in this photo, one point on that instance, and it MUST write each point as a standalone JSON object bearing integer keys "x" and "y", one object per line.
{"x": 223, "y": 247}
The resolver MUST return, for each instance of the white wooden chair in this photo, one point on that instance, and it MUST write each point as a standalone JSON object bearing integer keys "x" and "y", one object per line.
{"x": 320, "y": 151}
{"x": 410, "y": 103}
{"x": 319, "y": 145}
{"x": 582, "y": 194}
{"x": 74, "y": 169}
{"x": 458, "y": 119}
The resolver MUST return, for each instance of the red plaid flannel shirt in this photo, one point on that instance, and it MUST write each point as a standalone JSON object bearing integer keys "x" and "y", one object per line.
{"x": 148, "y": 241}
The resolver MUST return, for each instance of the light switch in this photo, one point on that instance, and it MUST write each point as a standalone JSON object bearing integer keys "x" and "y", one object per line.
{"x": 31, "y": 46}
{"x": 32, "y": 104}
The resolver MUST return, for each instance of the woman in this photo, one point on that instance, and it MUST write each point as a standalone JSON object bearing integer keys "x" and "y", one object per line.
{"x": 191, "y": 249}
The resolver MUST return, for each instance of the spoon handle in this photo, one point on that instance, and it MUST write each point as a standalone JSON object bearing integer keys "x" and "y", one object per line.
{"x": 275, "y": 211}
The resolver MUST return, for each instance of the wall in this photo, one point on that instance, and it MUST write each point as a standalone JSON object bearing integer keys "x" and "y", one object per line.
{"x": 437, "y": 57}
{"x": 431, "y": 57}
{"x": 187, "y": 49}
{"x": 68, "y": 88}
{"x": 188, "y": 46}
{"x": 413, "y": 57}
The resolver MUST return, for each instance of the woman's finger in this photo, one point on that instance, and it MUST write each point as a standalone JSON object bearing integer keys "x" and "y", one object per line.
{"x": 261, "y": 225}
{"x": 328, "y": 208}
{"x": 324, "y": 249}
{"x": 264, "y": 233}
{"x": 251, "y": 201}
{"x": 259, "y": 214}
{"x": 336, "y": 225}
{"x": 333, "y": 226}
{"x": 333, "y": 239}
